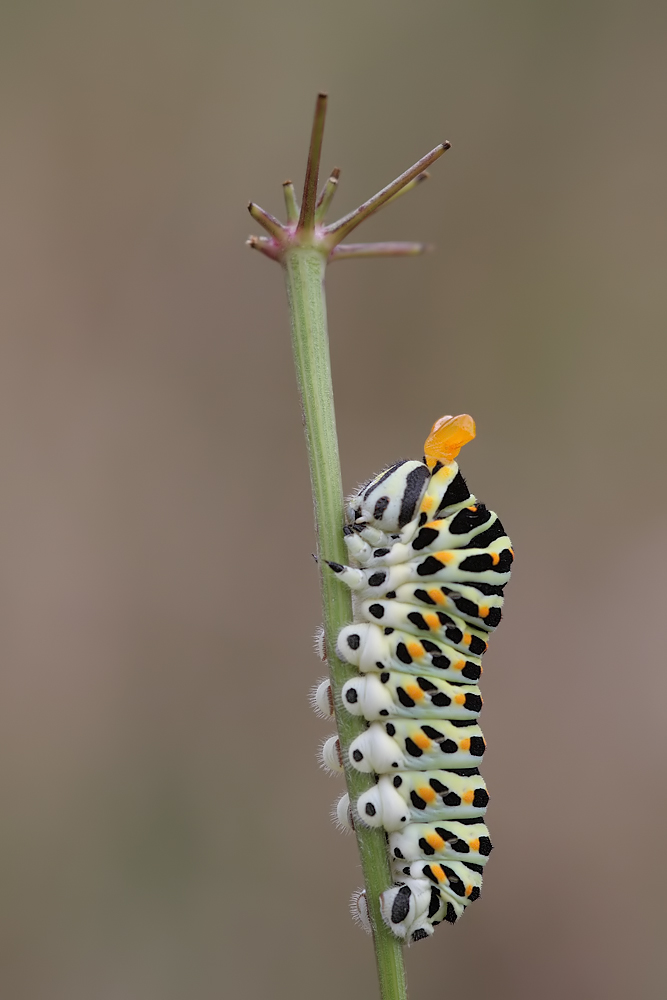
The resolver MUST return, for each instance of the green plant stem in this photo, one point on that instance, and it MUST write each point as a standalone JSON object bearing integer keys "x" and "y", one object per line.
{"x": 304, "y": 272}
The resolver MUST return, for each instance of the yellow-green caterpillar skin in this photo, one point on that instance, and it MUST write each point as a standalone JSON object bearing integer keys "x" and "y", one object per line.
{"x": 428, "y": 567}
{"x": 422, "y": 796}
{"x": 403, "y": 695}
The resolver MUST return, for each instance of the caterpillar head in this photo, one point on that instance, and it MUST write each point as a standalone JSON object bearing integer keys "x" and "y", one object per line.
{"x": 390, "y": 501}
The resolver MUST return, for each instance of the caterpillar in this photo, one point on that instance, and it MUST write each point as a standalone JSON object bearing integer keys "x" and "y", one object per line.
{"x": 428, "y": 564}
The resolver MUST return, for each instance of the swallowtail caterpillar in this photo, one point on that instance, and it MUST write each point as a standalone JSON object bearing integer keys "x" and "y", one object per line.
{"x": 428, "y": 564}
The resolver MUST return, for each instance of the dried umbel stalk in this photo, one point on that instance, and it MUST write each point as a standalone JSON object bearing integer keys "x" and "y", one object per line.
{"x": 303, "y": 245}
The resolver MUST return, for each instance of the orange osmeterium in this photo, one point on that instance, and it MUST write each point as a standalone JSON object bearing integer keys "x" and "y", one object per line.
{"x": 447, "y": 437}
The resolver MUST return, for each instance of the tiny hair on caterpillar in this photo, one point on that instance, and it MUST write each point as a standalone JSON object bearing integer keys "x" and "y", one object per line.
{"x": 427, "y": 565}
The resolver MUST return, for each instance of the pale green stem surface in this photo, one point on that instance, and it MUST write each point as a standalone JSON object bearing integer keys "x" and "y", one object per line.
{"x": 304, "y": 273}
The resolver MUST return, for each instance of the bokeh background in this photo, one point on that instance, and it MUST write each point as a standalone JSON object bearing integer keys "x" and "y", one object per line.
{"x": 165, "y": 829}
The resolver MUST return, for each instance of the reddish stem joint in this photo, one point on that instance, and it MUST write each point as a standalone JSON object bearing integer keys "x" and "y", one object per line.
{"x": 305, "y": 224}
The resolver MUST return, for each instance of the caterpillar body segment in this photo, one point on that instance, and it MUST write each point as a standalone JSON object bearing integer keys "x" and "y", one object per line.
{"x": 490, "y": 565}
{"x": 450, "y": 841}
{"x": 430, "y": 620}
{"x": 457, "y": 880}
{"x": 479, "y": 604}
{"x": 471, "y": 527}
{"x": 373, "y": 649}
{"x": 428, "y": 565}
{"x": 402, "y": 745}
{"x": 427, "y": 894}
{"x": 390, "y": 693}
{"x": 423, "y": 797}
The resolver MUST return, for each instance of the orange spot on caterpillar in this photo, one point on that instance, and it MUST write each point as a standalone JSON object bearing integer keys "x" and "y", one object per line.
{"x": 468, "y": 890}
{"x": 444, "y": 557}
{"x": 473, "y": 508}
{"x": 415, "y": 692}
{"x": 495, "y": 558}
{"x": 468, "y": 796}
{"x": 426, "y": 793}
{"x": 467, "y": 638}
{"x": 432, "y": 621}
{"x": 421, "y": 739}
{"x": 427, "y": 503}
{"x": 439, "y": 873}
{"x": 436, "y": 842}
{"x": 483, "y": 610}
{"x": 416, "y": 650}
{"x": 437, "y": 595}
{"x": 460, "y": 699}
{"x": 465, "y": 744}
{"x": 459, "y": 665}
{"x": 473, "y": 844}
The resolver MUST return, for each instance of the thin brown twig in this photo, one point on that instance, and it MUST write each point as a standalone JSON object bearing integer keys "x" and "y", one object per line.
{"x": 339, "y": 230}
{"x": 307, "y": 217}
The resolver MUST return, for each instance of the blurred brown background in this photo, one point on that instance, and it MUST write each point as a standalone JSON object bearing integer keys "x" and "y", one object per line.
{"x": 165, "y": 829}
